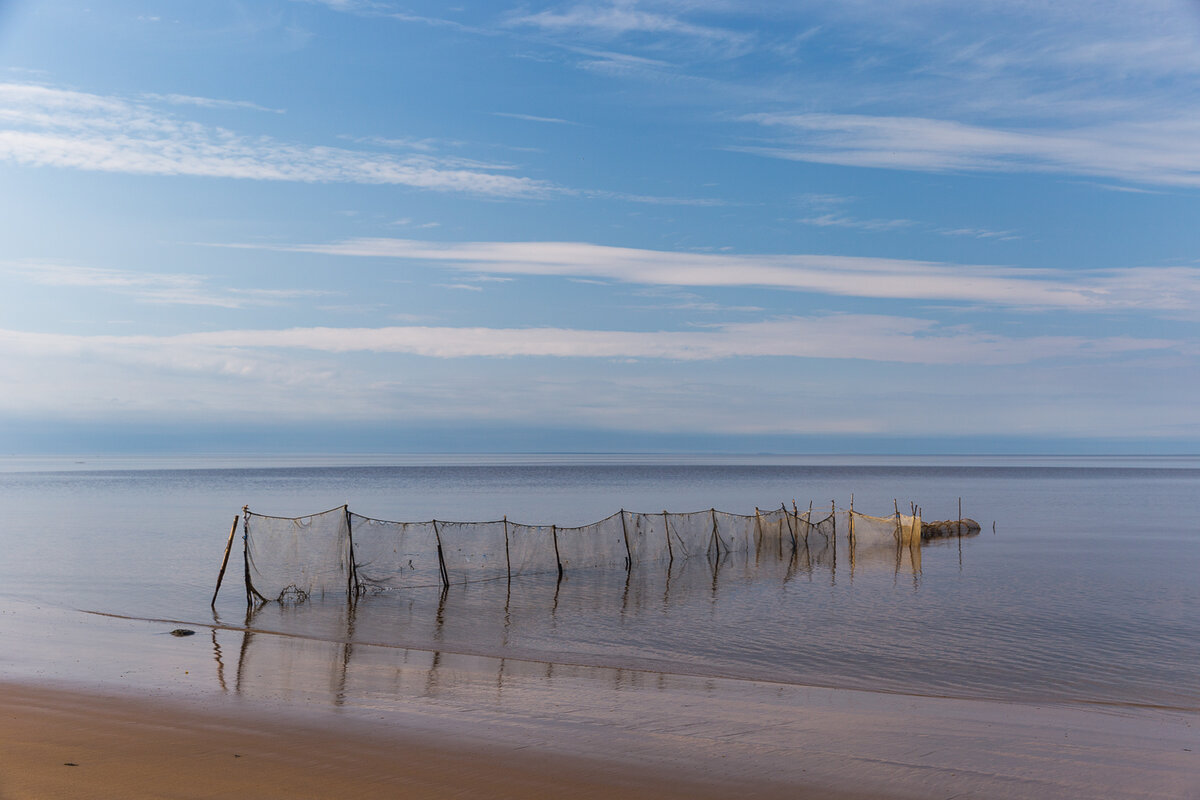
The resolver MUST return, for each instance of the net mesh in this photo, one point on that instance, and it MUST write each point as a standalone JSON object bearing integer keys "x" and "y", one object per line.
{"x": 291, "y": 559}
{"x": 338, "y": 551}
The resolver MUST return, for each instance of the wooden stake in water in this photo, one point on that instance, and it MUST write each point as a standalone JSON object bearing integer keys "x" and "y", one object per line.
{"x": 352, "y": 579}
{"x": 441, "y": 558}
{"x": 667, "y": 531}
{"x": 808, "y": 523}
{"x": 791, "y": 530}
{"x": 899, "y": 527}
{"x": 507, "y": 557}
{"x": 716, "y": 536}
{"x": 625, "y": 533}
{"x": 554, "y": 533}
{"x": 852, "y": 524}
{"x": 225, "y": 560}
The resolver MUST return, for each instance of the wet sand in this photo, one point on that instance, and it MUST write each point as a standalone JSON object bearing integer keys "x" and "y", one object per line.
{"x": 64, "y": 744}
{"x": 60, "y": 743}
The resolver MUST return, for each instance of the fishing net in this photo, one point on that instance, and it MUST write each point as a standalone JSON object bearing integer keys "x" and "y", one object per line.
{"x": 291, "y": 559}
{"x": 337, "y": 551}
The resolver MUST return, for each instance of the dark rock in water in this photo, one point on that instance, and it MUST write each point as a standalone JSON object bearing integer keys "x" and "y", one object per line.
{"x": 182, "y": 632}
{"x": 944, "y": 528}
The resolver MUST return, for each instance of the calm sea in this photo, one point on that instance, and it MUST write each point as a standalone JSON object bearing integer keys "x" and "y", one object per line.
{"x": 1086, "y": 591}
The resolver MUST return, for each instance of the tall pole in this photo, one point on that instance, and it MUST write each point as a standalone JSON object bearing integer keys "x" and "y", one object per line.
{"x": 441, "y": 558}
{"x": 225, "y": 560}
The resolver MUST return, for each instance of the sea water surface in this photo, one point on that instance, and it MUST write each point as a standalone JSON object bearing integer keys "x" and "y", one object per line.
{"x": 1084, "y": 592}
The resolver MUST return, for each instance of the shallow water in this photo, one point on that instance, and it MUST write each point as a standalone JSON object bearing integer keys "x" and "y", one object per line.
{"x": 1085, "y": 593}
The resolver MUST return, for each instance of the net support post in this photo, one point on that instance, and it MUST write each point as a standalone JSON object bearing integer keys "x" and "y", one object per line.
{"x": 716, "y": 535}
{"x": 352, "y": 586}
{"x": 667, "y": 533}
{"x": 224, "y": 561}
{"x": 507, "y": 557}
{"x": 808, "y": 523}
{"x": 791, "y": 530}
{"x": 251, "y": 592}
{"x": 625, "y": 533}
{"x": 850, "y": 523}
{"x": 441, "y": 558}
{"x": 899, "y": 526}
{"x": 557, "y": 557}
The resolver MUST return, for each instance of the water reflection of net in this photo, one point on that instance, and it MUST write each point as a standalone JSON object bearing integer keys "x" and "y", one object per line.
{"x": 339, "y": 552}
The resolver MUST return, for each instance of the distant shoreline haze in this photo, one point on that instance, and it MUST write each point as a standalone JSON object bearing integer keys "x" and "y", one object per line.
{"x": 19, "y": 438}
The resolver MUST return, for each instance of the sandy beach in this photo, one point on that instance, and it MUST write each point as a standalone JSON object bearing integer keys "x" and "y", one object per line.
{"x": 67, "y": 744}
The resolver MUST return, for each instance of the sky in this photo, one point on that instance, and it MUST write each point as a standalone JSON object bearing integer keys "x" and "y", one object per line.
{"x": 600, "y": 225}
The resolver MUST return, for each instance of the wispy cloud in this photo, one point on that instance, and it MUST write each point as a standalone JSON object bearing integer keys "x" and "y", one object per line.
{"x": 211, "y": 102}
{"x": 623, "y": 17}
{"x": 1174, "y": 289}
{"x": 861, "y": 337}
{"x": 843, "y": 221}
{"x": 151, "y": 287}
{"x": 980, "y": 233}
{"x": 532, "y": 118}
{"x": 654, "y": 200}
{"x": 47, "y": 127}
{"x": 1163, "y": 151}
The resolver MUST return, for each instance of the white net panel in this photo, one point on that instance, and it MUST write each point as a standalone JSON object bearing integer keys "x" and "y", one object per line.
{"x": 897, "y": 530}
{"x": 391, "y": 555}
{"x": 473, "y": 551}
{"x": 601, "y": 544}
{"x": 531, "y": 549}
{"x": 291, "y": 559}
{"x": 339, "y": 552}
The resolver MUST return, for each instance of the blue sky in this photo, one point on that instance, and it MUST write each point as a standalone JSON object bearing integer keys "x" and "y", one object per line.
{"x": 675, "y": 224}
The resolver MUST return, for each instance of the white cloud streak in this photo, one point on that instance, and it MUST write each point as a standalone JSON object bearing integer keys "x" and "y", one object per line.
{"x": 863, "y": 337}
{"x": 151, "y": 287}
{"x": 533, "y": 118}
{"x": 623, "y": 18}
{"x": 47, "y": 127}
{"x": 1162, "y": 152}
{"x": 1174, "y": 289}
{"x": 211, "y": 102}
{"x": 842, "y": 221}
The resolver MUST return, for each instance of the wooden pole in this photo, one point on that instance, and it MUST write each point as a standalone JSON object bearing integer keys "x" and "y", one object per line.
{"x": 225, "y": 560}
{"x": 557, "y": 558}
{"x": 251, "y": 592}
{"x": 899, "y": 527}
{"x": 791, "y": 530}
{"x": 441, "y": 558}
{"x": 833, "y": 537}
{"x": 667, "y": 531}
{"x": 712, "y": 512}
{"x": 960, "y": 516}
{"x": 757, "y": 533}
{"x": 808, "y": 523}
{"x": 852, "y": 523}
{"x": 625, "y": 532}
{"x": 352, "y": 578}
{"x": 507, "y": 557}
